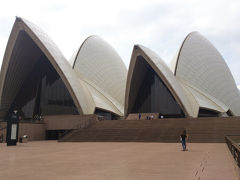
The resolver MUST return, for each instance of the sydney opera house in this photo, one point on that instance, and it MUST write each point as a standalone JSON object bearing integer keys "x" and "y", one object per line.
{"x": 198, "y": 83}
{"x": 37, "y": 80}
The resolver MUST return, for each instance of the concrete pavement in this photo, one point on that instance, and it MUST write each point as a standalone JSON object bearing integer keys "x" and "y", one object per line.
{"x": 116, "y": 161}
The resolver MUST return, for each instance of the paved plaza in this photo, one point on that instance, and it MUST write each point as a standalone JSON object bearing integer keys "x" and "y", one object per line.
{"x": 116, "y": 161}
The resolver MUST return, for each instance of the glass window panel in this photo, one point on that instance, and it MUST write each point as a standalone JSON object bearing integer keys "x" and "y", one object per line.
{"x": 43, "y": 91}
{"x": 149, "y": 94}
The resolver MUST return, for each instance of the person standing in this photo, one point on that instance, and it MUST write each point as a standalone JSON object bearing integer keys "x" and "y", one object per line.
{"x": 139, "y": 116}
{"x": 183, "y": 138}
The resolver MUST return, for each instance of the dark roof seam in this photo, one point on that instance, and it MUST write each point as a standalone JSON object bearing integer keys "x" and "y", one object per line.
{"x": 80, "y": 49}
{"x": 175, "y": 70}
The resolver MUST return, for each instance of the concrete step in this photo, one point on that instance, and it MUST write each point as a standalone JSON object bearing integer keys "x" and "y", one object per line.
{"x": 161, "y": 130}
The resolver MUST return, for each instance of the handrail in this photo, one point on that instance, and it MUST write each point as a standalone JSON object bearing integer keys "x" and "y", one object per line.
{"x": 83, "y": 124}
{"x": 234, "y": 148}
{"x": 61, "y": 135}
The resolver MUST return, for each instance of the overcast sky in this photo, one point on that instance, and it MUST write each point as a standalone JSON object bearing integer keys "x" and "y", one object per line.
{"x": 160, "y": 25}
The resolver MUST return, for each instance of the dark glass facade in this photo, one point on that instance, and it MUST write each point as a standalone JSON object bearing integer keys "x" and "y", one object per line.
{"x": 230, "y": 113}
{"x": 43, "y": 93}
{"x": 106, "y": 115}
{"x": 207, "y": 113}
{"x": 149, "y": 94}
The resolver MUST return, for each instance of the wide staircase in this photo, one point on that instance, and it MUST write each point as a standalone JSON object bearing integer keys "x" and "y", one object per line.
{"x": 159, "y": 130}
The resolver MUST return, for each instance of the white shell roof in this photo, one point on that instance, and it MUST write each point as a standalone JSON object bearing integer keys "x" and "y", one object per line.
{"x": 164, "y": 73}
{"x": 97, "y": 76}
{"x": 200, "y": 65}
{"x": 86, "y": 95}
{"x": 204, "y": 100}
{"x": 79, "y": 93}
{"x": 99, "y": 64}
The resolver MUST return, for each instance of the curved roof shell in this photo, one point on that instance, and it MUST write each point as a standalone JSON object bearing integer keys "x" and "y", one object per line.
{"x": 15, "y": 70}
{"x": 199, "y": 66}
{"x": 164, "y": 73}
{"x": 98, "y": 85}
{"x": 103, "y": 70}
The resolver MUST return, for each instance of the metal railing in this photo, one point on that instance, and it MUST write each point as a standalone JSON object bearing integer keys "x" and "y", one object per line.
{"x": 83, "y": 124}
{"x": 61, "y": 135}
{"x": 234, "y": 147}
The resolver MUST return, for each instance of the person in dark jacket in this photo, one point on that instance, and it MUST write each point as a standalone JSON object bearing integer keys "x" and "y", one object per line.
{"x": 183, "y": 138}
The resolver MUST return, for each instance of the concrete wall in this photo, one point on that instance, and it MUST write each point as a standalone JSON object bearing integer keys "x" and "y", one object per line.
{"x": 3, "y": 130}
{"x": 35, "y": 131}
{"x": 65, "y": 122}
